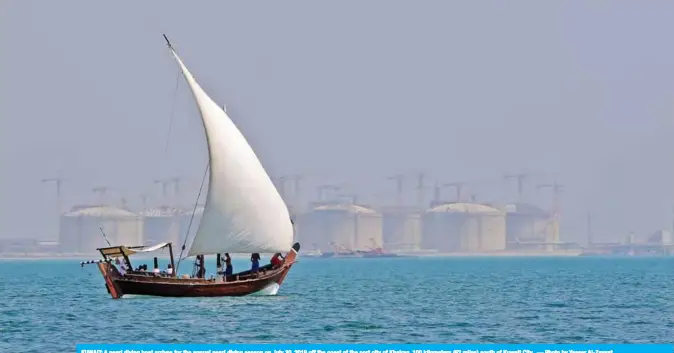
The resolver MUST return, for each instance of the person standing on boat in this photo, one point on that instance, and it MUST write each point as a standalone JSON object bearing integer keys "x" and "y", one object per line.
{"x": 169, "y": 270}
{"x": 228, "y": 265}
{"x": 255, "y": 259}
{"x": 122, "y": 267}
{"x": 201, "y": 270}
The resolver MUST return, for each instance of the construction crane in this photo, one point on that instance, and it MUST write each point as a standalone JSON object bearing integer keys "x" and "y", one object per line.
{"x": 436, "y": 193}
{"x": 421, "y": 178}
{"x": 164, "y": 184}
{"x": 322, "y": 189}
{"x": 101, "y": 190}
{"x": 555, "y": 210}
{"x": 520, "y": 182}
{"x": 123, "y": 201}
{"x": 458, "y": 186}
{"x": 352, "y": 197}
{"x": 556, "y": 191}
{"x": 58, "y": 182}
{"x": 399, "y": 179}
{"x": 176, "y": 187}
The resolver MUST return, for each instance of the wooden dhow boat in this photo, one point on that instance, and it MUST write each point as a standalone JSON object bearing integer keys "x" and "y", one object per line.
{"x": 243, "y": 213}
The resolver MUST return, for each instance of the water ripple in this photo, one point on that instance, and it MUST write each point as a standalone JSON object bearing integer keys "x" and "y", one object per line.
{"x": 51, "y": 305}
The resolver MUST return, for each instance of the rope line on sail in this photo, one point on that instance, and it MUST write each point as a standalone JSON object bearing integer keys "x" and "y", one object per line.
{"x": 203, "y": 180}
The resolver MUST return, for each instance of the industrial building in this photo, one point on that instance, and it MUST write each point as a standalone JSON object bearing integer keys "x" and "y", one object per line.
{"x": 530, "y": 227}
{"x": 81, "y": 230}
{"x": 464, "y": 227}
{"x": 343, "y": 226}
{"x": 401, "y": 228}
{"x": 161, "y": 224}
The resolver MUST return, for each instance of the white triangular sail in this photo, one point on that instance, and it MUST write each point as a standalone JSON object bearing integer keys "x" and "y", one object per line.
{"x": 244, "y": 212}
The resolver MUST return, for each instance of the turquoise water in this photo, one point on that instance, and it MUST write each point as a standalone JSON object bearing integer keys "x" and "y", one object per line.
{"x": 54, "y": 304}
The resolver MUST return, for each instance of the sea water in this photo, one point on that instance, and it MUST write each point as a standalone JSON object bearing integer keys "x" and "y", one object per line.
{"x": 55, "y": 304}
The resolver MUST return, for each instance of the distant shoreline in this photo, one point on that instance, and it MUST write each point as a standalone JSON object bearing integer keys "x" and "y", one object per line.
{"x": 513, "y": 253}
{"x": 96, "y": 256}
{"x": 570, "y": 253}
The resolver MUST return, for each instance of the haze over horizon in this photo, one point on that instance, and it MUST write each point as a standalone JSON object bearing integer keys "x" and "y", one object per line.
{"x": 345, "y": 91}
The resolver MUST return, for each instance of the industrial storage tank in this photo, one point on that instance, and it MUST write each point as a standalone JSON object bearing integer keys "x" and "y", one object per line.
{"x": 464, "y": 227}
{"x": 345, "y": 226}
{"x": 161, "y": 224}
{"x": 80, "y": 229}
{"x": 401, "y": 228}
{"x": 528, "y": 225}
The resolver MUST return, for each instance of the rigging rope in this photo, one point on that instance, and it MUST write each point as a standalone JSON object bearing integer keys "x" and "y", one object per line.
{"x": 173, "y": 105}
{"x": 203, "y": 180}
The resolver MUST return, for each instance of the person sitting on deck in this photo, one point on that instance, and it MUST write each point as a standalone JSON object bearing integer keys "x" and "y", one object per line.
{"x": 277, "y": 260}
{"x": 228, "y": 265}
{"x": 169, "y": 270}
{"x": 255, "y": 259}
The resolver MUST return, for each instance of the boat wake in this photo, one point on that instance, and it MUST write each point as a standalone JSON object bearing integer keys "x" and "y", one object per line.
{"x": 271, "y": 289}
{"x": 134, "y": 296}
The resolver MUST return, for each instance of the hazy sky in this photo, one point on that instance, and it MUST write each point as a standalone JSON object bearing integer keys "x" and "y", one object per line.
{"x": 346, "y": 91}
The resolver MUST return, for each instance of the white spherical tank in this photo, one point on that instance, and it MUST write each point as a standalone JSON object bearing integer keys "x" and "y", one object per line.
{"x": 69, "y": 234}
{"x": 344, "y": 226}
{"x": 401, "y": 228}
{"x": 82, "y": 229}
{"x": 463, "y": 227}
{"x": 161, "y": 224}
{"x": 527, "y": 223}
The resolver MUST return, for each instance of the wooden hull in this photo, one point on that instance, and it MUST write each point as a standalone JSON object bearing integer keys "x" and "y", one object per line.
{"x": 244, "y": 283}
